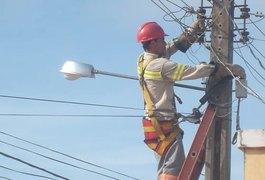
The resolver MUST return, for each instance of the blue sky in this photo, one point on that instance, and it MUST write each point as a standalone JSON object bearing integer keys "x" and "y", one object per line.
{"x": 38, "y": 36}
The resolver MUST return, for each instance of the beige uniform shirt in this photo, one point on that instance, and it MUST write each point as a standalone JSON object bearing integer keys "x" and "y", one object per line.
{"x": 160, "y": 75}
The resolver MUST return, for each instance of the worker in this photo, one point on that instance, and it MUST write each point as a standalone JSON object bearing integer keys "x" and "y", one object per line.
{"x": 157, "y": 75}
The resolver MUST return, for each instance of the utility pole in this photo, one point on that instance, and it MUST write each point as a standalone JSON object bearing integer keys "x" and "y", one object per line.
{"x": 218, "y": 145}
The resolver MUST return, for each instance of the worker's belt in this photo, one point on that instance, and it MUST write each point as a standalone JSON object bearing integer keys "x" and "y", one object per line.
{"x": 160, "y": 135}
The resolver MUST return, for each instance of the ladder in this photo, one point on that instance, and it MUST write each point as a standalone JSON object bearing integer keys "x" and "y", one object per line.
{"x": 194, "y": 162}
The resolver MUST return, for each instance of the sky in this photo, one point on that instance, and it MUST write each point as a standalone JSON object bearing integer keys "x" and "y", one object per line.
{"x": 38, "y": 36}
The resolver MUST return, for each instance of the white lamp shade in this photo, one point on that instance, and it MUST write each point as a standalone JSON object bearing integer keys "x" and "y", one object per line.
{"x": 74, "y": 70}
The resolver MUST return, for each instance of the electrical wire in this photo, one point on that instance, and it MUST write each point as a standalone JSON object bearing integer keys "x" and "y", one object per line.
{"x": 224, "y": 105}
{"x": 262, "y": 18}
{"x": 2, "y": 177}
{"x": 172, "y": 15}
{"x": 240, "y": 54}
{"x": 59, "y": 161}
{"x": 257, "y": 27}
{"x": 248, "y": 65}
{"x": 247, "y": 87}
{"x": 248, "y": 45}
{"x": 26, "y": 173}
{"x": 188, "y": 10}
{"x": 176, "y": 4}
{"x": 70, "y": 115}
{"x": 68, "y": 102}
{"x": 213, "y": 20}
{"x": 32, "y": 165}
{"x": 190, "y": 59}
{"x": 260, "y": 63}
{"x": 257, "y": 49}
{"x": 256, "y": 39}
{"x": 79, "y": 115}
{"x": 192, "y": 53}
{"x": 66, "y": 155}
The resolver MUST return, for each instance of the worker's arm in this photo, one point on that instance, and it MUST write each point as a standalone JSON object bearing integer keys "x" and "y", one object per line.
{"x": 196, "y": 72}
{"x": 175, "y": 71}
{"x": 185, "y": 40}
{"x": 206, "y": 70}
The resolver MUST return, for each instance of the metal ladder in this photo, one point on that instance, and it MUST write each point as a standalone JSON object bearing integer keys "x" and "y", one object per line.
{"x": 194, "y": 162}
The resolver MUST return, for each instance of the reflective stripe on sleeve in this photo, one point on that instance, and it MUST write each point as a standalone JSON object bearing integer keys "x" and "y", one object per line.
{"x": 179, "y": 72}
{"x": 152, "y": 74}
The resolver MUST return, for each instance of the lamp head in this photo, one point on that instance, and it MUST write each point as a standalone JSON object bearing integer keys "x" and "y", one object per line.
{"x": 74, "y": 70}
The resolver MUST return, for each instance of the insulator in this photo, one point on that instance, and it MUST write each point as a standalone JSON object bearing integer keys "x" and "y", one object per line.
{"x": 259, "y": 14}
{"x": 244, "y": 37}
{"x": 201, "y": 13}
{"x": 201, "y": 16}
{"x": 244, "y": 33}
{"x": 245, "y": 13}
{"x": 201, "y": 36}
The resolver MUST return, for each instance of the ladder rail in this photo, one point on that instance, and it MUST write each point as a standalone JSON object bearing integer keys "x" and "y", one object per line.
{"x": 194, "y": 161}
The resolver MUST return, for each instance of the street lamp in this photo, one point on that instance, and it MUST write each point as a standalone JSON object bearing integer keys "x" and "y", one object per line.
{"x": 74, "y": 70}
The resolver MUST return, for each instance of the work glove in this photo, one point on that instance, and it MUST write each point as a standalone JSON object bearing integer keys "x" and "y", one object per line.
{"x": 237, "y": 70}
{"x": 198, "y": 25}
{"x": 191, "y": 34}
{"x": 227, "y": 69}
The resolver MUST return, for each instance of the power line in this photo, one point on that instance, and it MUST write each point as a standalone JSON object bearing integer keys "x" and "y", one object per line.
{"x": 69, "y": 115}
{"x": 249, "y": 66}
{"x": 213, "y": 20}
{"x": 256, "y": 39}
{"x": 68, "y": 102}
{"x": 169, "y": 13}
{"x": 53, "y": 159}
{"x": 248, "y": 45}
{"x": 260, "y": 63}
{"x": 69, "y": 156}
{"x": 5, "y": 178}
{"x": 253, "y": 92}
{"x": 257, "y": 28}
{"x": 247, "y": 87}
{"x": 25, "y": 173}
{"x": 32, "y": 165}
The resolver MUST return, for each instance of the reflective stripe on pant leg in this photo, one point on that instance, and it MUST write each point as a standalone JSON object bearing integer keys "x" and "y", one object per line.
{"x": 167, "y": 177}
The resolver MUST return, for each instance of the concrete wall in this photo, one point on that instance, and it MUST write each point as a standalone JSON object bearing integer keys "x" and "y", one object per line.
{"x": 252, "y": 143}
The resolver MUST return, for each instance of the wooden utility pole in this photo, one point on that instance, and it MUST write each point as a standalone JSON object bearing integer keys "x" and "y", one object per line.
{"x": 218, "y": 146}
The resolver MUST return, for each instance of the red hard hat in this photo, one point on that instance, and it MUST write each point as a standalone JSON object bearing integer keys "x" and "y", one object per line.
{"x": 149, "y": 31}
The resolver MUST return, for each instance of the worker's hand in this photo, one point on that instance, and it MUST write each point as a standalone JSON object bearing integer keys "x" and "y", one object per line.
{"x": 198, "y": 25}
{"x": 227, "y": 69}
{"x": 237, "y": 70}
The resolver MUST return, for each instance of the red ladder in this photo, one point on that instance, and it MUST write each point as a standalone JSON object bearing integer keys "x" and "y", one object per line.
{"x": 194, "y": 162}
